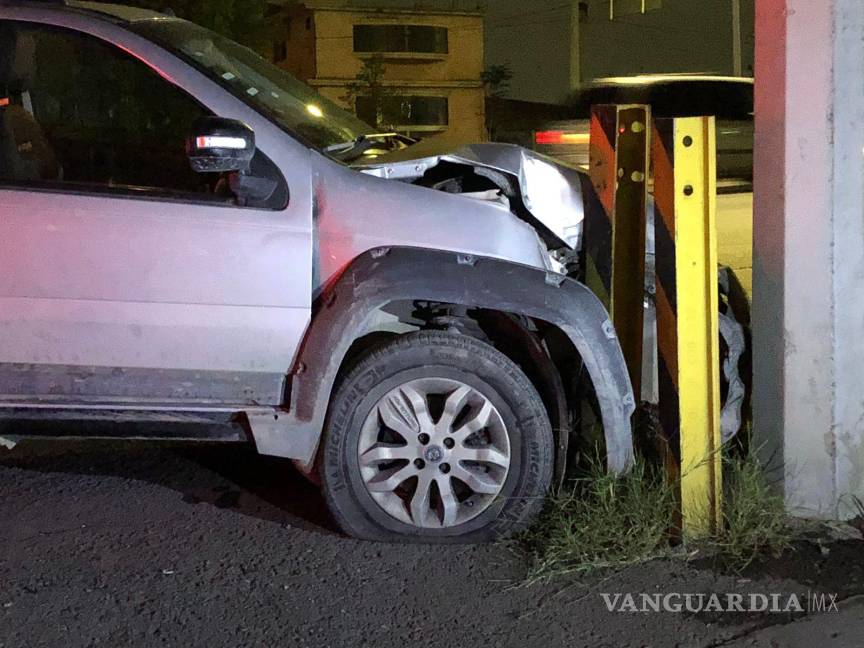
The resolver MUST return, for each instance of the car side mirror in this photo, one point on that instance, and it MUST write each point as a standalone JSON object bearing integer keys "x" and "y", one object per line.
{"x": 220, "y": 145}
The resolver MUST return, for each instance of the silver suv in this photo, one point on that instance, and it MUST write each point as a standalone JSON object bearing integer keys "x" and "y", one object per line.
{"x": 189, "y": 234}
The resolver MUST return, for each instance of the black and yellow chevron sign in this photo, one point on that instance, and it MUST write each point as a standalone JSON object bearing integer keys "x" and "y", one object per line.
{"x": 625, "y": 145}
{"x": 615, "y": 222}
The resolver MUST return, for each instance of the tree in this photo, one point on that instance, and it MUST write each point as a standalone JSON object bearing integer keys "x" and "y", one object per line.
{"x": 367, "y": 94}
{"x": 496, "y": 79}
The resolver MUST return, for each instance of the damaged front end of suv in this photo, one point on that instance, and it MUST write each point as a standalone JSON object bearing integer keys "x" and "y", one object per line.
{"x": 545, "y": 194}
{"x": 550, "y": 196}
{"x": 515, "y": 221}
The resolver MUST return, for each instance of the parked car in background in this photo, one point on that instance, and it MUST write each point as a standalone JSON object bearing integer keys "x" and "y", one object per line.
{"x": 729, "y": 99}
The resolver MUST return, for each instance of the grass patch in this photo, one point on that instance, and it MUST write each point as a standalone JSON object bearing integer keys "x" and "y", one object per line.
{"x": 602, "y": 521}
{"x": 754, "y": 515}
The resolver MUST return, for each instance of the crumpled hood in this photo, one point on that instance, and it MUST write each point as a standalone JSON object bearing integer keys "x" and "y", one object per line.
{"x": 550, "y": 191}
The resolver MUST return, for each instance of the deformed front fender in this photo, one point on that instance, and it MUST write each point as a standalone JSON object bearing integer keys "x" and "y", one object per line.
{"x": 384, "y": 275}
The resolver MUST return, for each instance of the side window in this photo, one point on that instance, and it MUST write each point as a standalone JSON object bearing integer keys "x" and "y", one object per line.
{"x": 81, "y": 114}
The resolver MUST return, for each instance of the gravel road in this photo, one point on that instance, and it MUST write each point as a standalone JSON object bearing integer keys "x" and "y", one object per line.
{"x": 116, "y": 545}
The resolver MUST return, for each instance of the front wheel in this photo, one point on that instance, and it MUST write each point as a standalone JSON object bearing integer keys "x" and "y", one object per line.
{"x": 436, "y": 437}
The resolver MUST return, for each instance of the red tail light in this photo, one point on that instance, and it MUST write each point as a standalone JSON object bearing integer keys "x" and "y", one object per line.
{"x": 548, "y": 137}
{"x": 560, "y": 137}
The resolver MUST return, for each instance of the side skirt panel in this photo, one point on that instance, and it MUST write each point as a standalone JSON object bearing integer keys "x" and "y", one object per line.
{"x": 74, "y": 385}
{"x": 264, "y": 425}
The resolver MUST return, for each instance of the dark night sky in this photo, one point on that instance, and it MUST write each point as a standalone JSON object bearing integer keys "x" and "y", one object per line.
{"x": 534, "y": 37}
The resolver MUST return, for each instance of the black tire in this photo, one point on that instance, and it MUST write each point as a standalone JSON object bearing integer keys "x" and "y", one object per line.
{"x": 440, "y": 355}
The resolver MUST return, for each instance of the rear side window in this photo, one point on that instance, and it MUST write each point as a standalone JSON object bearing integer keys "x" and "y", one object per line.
{"x": 80, "y": 114}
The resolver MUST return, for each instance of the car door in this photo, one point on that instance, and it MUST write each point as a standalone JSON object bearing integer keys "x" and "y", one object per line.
{"x": 124, "y": 276}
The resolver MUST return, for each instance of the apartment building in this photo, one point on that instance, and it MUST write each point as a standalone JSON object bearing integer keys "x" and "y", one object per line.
{"x": 432, "y": 61}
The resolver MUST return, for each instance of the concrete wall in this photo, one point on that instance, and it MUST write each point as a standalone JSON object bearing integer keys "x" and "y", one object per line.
{"x": 808, "y": 315}
{"x": 298, "y": 34}
{"x": 336, "y": 58}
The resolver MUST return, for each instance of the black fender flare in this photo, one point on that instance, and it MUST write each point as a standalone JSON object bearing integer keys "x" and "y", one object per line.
{"x": 384, "y": 275}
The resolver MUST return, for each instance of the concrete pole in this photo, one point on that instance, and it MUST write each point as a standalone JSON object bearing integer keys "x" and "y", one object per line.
{"x": 575, "y": 47}
{"x": 737, "y": 67}
{"x": 808, "y": 265}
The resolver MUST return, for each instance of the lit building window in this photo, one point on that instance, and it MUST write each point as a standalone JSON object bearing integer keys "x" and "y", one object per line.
{"x": 629, "y": 7}
{"x": 404, "y": 112}
{"x": 417, "y": 39}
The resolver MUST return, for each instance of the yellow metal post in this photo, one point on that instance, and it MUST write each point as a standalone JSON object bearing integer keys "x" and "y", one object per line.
{"x": 687, "y": 307}
{"x": 698, "y": 334}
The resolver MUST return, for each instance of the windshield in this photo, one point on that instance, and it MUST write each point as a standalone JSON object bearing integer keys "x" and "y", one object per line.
{"x": 293, "y": 105}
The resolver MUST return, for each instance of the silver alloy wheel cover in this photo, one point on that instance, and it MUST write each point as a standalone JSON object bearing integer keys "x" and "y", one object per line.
{"x": 451, "y": 478}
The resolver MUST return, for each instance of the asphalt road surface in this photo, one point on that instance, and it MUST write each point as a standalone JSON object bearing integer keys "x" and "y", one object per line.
{"x": 143, "y": 545}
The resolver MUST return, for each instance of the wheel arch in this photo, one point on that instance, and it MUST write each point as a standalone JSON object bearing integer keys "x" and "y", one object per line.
{"x": 346, "y": 312}
{"x": 521, "y": 339}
